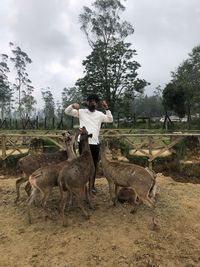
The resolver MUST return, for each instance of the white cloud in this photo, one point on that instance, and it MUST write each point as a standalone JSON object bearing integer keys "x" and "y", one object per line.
{"x": 49, "y": 32}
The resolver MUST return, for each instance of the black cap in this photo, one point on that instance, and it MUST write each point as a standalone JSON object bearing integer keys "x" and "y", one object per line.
{"x": 93, "y": 97}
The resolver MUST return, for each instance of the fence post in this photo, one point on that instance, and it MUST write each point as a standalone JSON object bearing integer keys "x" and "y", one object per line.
{"x": 36, "y": 122}
{"x": 45, "y": 123}
{"x": 60, "y": 125}
{"x": 53, "y": 123}
{"x": 150, "y": 152}
{"x": 3, "y": 145}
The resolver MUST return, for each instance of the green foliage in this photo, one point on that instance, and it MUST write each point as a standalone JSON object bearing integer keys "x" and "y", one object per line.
{"x": 27, "y": 102}
{"x": 111, "y": 72}
{"x": 23, "y": 84}
{"x": 180, "y": 149}
{"x": 186, "y": 83}
{"x": 191, "y": 170}
{"x": 139, "y": 160}
{"x": 148, "y": 106}
{"x": 110, "y": 69}
{"x": 174, "y": 99}
{"x": 6, "y": 91}
{"x": 195, "y": 124}
{"x": 49, "y": 105}
{"x": 71, "y": 95}
{"x": 102, "y": 23}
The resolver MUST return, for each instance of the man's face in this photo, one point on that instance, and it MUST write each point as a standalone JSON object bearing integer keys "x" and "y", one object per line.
{"x": 92, "y": 105}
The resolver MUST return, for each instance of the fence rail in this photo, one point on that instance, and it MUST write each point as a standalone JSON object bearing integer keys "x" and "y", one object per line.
{"x": 150, "y": 145}
{"x": 153, "y": 145}
{"x": 20, "y": 143}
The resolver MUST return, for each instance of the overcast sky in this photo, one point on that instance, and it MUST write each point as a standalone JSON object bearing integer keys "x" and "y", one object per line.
{"x": 49, "y": 32}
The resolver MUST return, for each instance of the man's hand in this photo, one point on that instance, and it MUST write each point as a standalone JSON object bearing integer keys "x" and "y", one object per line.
{"x": 104, "y": 104}
{"x": 76, "y": 106}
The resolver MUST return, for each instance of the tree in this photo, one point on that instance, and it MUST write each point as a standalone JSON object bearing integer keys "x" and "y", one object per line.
{"x": 187, "y": 76}
{"x": 103, "y": 22}
{"x": 148, "y": 106}
{"x": 27, "y": 102}
{"x": 71, "y": 95}
{"x": 174, "y": 99}
{"x": 20, "y": 61}
{"x": 5, "y": 88}
{"x": 49, "y": 104}
{"x": 59, "y": 109}
{"x": 110, "y": 69}
{"x": 158, "y": 92}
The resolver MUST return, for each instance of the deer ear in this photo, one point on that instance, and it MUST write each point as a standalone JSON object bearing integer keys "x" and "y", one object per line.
{"x": 90, "y": 135}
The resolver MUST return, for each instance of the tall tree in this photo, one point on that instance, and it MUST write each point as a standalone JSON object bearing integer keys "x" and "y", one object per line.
{"x": 174, "y": 99}
{"x": 103, "y": 22}
{"x": 71, "y": 95}
{"x": 148, "y": 106}
{"x": 187, "y": 76}
{"x": 110, "y": 69}
{"x": 20, "y": 60}
{"x": 27, "y": 102}
{"x": 49, "y": 104}
{"x": 5, "y": 87}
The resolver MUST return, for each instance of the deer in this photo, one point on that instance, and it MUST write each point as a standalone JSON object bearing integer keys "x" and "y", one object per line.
{"x": 32, "y": 162}
{"x": 135, "y": 177}
{"x": 76, "y": 175}
{"x": 45, "y": 178}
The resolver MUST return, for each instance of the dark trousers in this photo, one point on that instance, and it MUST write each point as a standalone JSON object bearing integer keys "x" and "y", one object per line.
{"x": 95, "y": 155}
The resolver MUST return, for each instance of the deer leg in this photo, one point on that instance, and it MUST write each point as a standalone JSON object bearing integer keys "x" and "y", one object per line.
{"x": 112, "y": 194}
{"x": 147, "y": 201}
{"x": 44, "y": 199}
{"x": 80, "y": 203}
{"x": 152, "y": 193}
{"x": 63, "y": 203}
{"x": 30, "y": 201}
{"x": 116, "y": 192}
{"x": 28, "y": 188}
{"x": 70, "y": 201}
{"x": 61, "y": 193}
{"x": 18, "y": 184}
{"x": 45, "y": 196}
{"x": 143, "y": 195}
{"x": 136, "y": 200}
{"x": 88, "y": 198}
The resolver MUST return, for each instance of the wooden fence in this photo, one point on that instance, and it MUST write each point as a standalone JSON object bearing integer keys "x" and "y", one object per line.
{"x": 150, "y": 145}
{"x": 20, "y": 143}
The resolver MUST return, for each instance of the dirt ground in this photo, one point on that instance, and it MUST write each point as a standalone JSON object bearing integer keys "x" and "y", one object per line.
{"x": 168, "y": 236}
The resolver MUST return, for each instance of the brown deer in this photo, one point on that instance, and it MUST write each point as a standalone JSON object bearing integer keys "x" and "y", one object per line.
{"x": 137, "y": 178}
{"x": 45, "y": 178}
{"x": 75, "y": 176}
{"x": 31, "y": 163}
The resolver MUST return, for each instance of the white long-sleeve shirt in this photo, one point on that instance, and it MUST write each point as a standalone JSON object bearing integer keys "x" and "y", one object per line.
{"x": 91, "y": 120}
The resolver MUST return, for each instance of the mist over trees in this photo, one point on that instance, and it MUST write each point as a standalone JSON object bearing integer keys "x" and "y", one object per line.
{"x": 6, "y": 91}
{"x": 110, "y": 70}
{"x": 23, "y": 85}
{"x": 181, "y": 94}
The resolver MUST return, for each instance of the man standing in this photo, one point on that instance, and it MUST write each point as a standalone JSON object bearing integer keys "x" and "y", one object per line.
{"x": 92, "y": 119}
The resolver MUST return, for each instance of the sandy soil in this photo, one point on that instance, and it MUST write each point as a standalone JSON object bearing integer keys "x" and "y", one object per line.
{"x": 169, "y": 235}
